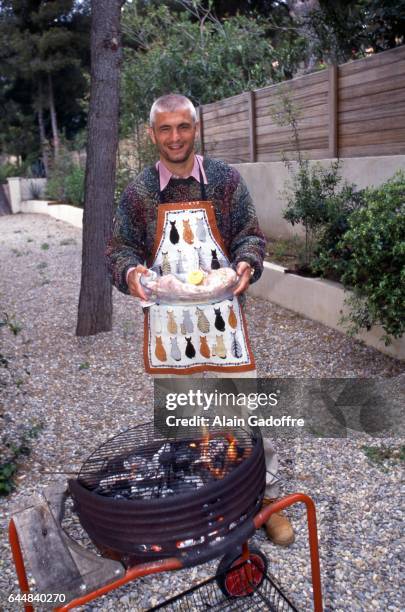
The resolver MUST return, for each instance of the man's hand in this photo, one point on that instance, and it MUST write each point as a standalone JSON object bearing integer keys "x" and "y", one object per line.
{"x": 134, "y": 285}
{"x": 243, "y": 269}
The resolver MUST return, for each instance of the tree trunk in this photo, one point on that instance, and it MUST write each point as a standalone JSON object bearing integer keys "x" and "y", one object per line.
{"x": 54, "y": 122}
{"x": 5, "y": 208}
{"x": 300, "y": 10}
{"x": 95, "y": 302}
{"x": 42, "y": 135}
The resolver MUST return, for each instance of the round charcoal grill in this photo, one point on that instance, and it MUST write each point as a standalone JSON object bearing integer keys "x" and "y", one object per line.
{"x": 141, "y": 496}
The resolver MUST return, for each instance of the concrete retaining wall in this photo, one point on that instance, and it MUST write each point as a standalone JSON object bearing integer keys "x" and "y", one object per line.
{"x": 34, "y": 206}
{"x": 63, "y": 212}
{"x": 317, "y": 299}
{"x": 23, "y": 189}
{"x": 266, "y": 180}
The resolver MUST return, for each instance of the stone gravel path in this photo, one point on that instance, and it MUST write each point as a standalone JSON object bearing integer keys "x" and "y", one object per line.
{"x": 80, "y": 391}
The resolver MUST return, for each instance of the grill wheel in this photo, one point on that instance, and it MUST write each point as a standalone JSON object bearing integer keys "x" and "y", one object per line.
{"x": 232, "y": 574}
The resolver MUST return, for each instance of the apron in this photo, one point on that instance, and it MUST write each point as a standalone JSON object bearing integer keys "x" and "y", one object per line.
{"x": 187, "y": 339}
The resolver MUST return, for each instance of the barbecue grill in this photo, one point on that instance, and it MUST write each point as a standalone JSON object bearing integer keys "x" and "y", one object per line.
{"x": 153, "y": 503}
{"x": 141, "y": 496}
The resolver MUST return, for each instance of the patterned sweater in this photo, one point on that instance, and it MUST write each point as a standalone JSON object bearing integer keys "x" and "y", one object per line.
{"x": 136, "y": 216}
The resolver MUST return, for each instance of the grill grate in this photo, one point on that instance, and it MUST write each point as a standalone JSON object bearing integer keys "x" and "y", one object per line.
{"x": 142, "y": 464}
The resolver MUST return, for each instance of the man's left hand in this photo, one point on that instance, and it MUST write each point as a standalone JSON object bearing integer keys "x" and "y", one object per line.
{"x": 243, "y": 269}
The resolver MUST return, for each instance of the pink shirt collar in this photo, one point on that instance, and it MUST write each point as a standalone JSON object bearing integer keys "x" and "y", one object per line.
{"x": 166, "y": 175}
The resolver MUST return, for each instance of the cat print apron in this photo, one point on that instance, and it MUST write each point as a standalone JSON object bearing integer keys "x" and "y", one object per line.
{"x": 187, "y": 339}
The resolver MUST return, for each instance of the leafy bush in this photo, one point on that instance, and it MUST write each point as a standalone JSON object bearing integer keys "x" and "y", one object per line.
{"x": 124, "y": 175}
{"x": 66, "y": 180}
{"x": 74, "y": 186}
{"x": 13, "y": 451}
{"x": 317, "y": 198}
{"x": 193, "y": 52}
{"x": 373, "y": 248}
{"x": 55, "y": 187}
{"x": 7, "y": 170}
{"x": 329, "y": 259}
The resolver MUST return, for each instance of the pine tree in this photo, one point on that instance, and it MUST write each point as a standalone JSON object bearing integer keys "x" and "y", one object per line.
{"x": 42, "y": 39}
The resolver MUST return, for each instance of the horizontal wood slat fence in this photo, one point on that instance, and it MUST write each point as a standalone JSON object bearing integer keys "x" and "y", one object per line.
{"x": 352, "y": 110}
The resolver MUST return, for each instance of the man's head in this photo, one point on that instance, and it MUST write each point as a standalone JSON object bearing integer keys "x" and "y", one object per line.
{"x": 173, "y": 128}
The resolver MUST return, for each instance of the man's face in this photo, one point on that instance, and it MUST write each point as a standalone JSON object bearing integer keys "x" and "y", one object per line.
{"x": 174, "y": 134}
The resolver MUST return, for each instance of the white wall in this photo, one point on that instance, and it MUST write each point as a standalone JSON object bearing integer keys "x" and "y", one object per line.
{"x": 266, "y": 180}
{"x": 23, "y": 189}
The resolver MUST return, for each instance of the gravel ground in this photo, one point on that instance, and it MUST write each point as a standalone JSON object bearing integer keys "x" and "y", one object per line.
{"x": 82, "y": 390}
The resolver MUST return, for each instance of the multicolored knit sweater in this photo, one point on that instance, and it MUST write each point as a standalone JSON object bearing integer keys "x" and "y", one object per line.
{"x": 136, "y": 215}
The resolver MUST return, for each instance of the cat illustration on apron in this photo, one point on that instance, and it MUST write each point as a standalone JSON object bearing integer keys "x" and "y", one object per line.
{"x": 210, "y": 336}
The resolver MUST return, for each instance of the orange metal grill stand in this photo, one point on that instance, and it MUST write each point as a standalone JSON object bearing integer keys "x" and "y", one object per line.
{"x": 156, "y": 567}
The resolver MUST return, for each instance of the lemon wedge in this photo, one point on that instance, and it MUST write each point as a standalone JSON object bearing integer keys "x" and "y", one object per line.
{"x": 195, "y": 277}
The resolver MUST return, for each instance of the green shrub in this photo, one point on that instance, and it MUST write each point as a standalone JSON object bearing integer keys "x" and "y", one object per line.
{"x": 124, "y": 175}
{"x": 62, "y": 166}
{"x": 7, "y": 170}
{"x": 373, "y": 249}
{"x": 317, "y": 198}
{"x": 66, "y": 180}
{"x": 329, "y": 258}
{"x": 74, "y": 186}
{"x": 12, "y": 452}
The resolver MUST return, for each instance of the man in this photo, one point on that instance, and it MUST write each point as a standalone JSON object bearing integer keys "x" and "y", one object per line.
{"x": 191, "y": 216}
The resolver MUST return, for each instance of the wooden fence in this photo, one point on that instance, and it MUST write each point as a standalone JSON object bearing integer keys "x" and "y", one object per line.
{"x": 352, "y": 110}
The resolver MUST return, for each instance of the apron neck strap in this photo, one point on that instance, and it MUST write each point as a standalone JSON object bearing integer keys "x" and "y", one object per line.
{"x": 202, "y": 186}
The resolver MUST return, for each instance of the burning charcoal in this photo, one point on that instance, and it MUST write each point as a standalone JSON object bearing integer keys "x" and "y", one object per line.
{"x": 143, "y": 494}
{"x": 216, "y": 446}
{"x": 240, "y": 451}
{"x": 194, "y": 480}
{"x": 218, "y": 461}
{"x": 166, "y": 448}
{"x": 167, "y": 459}
{"x": 183, "y": 461}
{"x": 181, "y": 486}
{"x": 185, "y": 455}
{"x": 113, "y": 480}
{"x": 138, "y": 477}
{"x": 123, "y": 494}
{"x": 165, "y": 454}
{"x": 155, "y": 462}
{"x": 134, "y": 462}
{"x": 165, "y": 491}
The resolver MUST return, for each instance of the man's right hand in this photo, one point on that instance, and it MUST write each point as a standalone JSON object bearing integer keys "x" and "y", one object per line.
{"x": 134, "y": 285}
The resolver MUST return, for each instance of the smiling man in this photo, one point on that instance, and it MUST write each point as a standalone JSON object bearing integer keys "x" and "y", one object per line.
{"x": 185, "y": 215}
{"x": 174, "y": 135}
